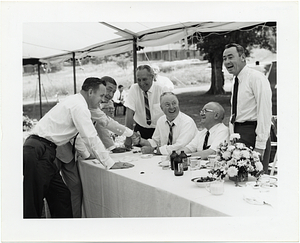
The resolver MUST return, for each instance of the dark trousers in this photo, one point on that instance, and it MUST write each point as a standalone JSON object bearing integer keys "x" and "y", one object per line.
{"x": 146, "y": 133}
{"x": 248, "y": 137}
{"x": 71, "y": 177}
{"x": 41, "y": 179}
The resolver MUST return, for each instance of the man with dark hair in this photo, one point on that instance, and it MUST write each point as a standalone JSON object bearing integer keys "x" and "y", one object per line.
{"x": 119, "y": 99}
{"x": 62, "y": 123}
{"x": 66, "y": 159}
{"x": 251, "y": 102}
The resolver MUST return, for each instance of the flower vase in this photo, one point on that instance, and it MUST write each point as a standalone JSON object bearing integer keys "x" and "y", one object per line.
{"x": 241, "y": 177}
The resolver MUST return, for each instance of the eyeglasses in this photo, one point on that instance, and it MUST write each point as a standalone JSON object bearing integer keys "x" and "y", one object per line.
{"x": 203, "y": 111}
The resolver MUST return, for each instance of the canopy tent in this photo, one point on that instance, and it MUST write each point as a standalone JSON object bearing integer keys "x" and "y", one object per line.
{"x": 58, "y": 42}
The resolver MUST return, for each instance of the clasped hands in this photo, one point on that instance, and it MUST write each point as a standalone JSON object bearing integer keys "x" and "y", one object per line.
{"x": 135, "y": 139}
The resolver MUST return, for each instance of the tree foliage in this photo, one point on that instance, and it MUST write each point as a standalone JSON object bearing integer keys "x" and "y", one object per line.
{"x": 213, "y": 45}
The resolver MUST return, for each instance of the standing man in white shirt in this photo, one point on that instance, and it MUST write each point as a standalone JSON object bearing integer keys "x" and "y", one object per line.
{"x": 143, "y": 104}
{"x": 119, "y": 99}
{"x": 251, "y": 102}
{"x": 41, "y": 178}
{"x": 206, "y": 141}
{"x": 173, "y": 131}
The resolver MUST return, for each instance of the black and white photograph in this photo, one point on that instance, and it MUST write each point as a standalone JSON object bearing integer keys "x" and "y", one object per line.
{"x": 149, "y": 121}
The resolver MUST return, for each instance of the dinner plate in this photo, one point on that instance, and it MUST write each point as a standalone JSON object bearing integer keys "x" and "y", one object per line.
{"x": 125, "y": 159}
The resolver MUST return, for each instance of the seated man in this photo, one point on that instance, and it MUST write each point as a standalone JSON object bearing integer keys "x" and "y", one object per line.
{"x": 205, "y": 143}
{"x": 119, "y": 99}
{"x": 174, "y": 130}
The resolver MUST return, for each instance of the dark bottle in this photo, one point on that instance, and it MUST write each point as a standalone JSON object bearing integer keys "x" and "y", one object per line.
{"x": 184, "y": 160}
{"x": 178, "y": 166}
{"x": 172, "y": 157}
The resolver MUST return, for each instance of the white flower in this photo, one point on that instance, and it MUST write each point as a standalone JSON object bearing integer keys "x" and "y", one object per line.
{"x": 240, "y": 145}
{"x": 226, "y": 155}
{"x": 232, "y": 171}
{"x": 230, "y": 148}
{"x": 236, "y": 154}
{"x": 255, "y": 155}
{"x": 245, "y": 154}
{"x": 258, "y": 166}
{"x": 234, "y": 136}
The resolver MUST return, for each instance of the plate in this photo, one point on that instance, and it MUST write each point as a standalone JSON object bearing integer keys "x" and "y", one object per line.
{"x": 146, "y": 156}
{"x": 201, "y": 184}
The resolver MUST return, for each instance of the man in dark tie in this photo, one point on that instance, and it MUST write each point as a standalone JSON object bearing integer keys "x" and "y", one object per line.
{"x": 251, "y": 103}
{"x": 214, "y": 132}
{"x": 143, "y": 104}
{"x": 173, "y": 131}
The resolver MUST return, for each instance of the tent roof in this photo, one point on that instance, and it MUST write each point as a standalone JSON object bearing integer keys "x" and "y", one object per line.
{"x": 56, "y": 42}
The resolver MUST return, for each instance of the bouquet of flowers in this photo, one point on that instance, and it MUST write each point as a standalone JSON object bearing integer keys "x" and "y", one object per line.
{"x": 235, "y": 159}
{"x": 27, "y": 123}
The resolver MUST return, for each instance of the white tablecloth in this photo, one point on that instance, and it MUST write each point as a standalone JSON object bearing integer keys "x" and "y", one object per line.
{"x": 146, "y": 190}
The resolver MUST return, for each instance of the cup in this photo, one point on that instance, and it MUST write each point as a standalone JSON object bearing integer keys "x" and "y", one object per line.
{"x": 194, "y": 164}
{"x": 212, "y": 160}
{"x": 215, "y": 187}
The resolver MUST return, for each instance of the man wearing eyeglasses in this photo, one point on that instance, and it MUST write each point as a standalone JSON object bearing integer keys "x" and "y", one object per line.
{"x": 251, "y": 100}
{"x": 143, "y": 104}
{"x": 214, "y": 132}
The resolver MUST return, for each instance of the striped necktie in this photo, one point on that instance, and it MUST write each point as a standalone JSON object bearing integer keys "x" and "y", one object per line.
{"x": 206, "y": 141}
{"x": 170, "y": 139}
{"x": 234, "y": 100}
{"x": 147, "y": 109}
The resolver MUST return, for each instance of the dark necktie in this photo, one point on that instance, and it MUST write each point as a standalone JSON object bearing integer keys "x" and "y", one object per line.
{"x": 234, "y": 100}
{"x": 147, "y": 109}
{"x": 120, "y": 96}
{"x": 170, "y": 139}
{"x": 206, "y": 141}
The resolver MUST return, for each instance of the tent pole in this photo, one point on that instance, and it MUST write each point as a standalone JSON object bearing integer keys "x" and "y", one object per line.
{"x": 134, "y": 58}
{"x": 40, "y": 89}
{"x": 74, "y": 72}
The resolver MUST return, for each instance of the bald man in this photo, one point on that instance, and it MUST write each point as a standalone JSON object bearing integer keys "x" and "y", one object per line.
{"x": 205, "y": 143}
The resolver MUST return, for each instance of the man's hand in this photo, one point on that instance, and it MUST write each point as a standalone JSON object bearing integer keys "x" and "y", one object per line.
{"x": 136, "y": 138}
{"x": 261, "y": 151}
{"x": 128, "y": 143}
{"x": 147, "y": 150}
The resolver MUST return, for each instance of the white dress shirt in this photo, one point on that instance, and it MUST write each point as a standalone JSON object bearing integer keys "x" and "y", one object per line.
{"x": 217, "y": 134}
{"x": 135, "y": 102}
{"x": 254, "y": 103}
{"x": 165, "y": 82}
{"x": 116, "y": 97}
{"x": 65, "y": 120}
{"x": 183, "y": 132}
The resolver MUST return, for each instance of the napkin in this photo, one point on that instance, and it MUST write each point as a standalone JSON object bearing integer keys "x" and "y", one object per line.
{"x": 121, "y": 165}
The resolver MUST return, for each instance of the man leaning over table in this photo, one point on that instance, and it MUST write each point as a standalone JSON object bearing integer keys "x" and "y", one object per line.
{"x": 251, "y": 101}
{"x": 214, "y": 132}
{"x": 41, "y": 177}
{"x": 173, "y": 131}
{"x": 142, "y": 104}
{"x": 66, "y": 160}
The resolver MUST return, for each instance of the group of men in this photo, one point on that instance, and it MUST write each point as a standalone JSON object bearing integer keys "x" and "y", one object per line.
{"x": 78, "y": 127}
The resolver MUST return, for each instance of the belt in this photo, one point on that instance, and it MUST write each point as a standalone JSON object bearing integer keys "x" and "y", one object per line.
{"x": 51, "y": 144}
{"x": 253, "y": 123}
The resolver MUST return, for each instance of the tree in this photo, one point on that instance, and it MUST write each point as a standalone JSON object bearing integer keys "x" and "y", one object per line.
{"x": 213, "y": 44}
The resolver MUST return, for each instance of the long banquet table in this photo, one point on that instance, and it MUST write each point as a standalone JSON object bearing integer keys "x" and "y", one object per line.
{"x": 147, "y": 190}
